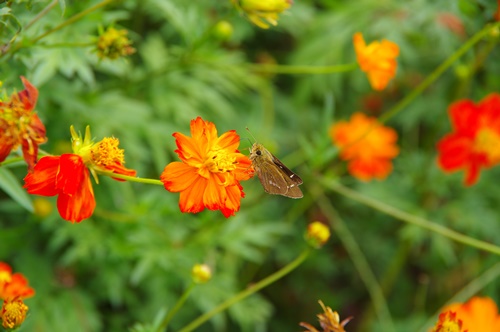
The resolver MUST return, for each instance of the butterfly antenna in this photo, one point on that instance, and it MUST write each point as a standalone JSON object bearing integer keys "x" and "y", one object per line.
{"x": 251, "y": 134}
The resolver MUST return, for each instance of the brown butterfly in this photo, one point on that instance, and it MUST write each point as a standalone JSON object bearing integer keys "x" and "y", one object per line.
{"x": 275, "y": 177}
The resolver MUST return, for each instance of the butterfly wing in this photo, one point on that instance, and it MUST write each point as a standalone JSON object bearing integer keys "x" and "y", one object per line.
{"x": 281, "y": 181}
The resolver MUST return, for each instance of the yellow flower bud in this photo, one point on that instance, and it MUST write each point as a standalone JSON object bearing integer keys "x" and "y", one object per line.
{"x": 317, "y": 234}
{"x": 43, "y": 207}
{"x": 223, "y": 30}
{"x": 201, "y": 273}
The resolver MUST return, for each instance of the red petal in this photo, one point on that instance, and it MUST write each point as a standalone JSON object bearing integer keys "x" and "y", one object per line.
{"x": 71, "y": 174}
{"x": 81, "y": 204}
{"x": 29, "y": 95}
{"x": 42, "y": 181}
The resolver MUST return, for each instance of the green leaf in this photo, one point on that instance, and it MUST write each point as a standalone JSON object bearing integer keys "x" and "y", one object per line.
{"x": 10, "y": 184}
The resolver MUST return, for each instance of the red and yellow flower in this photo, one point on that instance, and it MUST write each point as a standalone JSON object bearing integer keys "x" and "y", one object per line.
{"x": 68, "y": 175}
{"x": 258, "y": 11}
{"x": 377, "y": 60}
{"x": 13, "y": 285}
{"x": 475, "y": 140}
{"x": 368, "y": 146}
{"x": 13, "y": 313}
{"x": 448, "y": 322}
{"x": 210, "y": 172}
{"x": 20, "y": 125}
{"x": 479, "y": 314}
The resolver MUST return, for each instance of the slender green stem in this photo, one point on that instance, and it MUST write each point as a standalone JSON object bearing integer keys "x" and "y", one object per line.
{"x": 490, "y": 275}
{"x": 41, "y": 14}
{"x": 176, "y": 308}
{"x": 11, "y": 161}
{"x": 294, "y": 70}
{"x": 360, "y": 262}
{"x": 131, "y": 178}
{"x": 73, "y": 19}
{"x": 249, "y": 291}
{"x": 439, "y": 70}
{"x": 411, "y": 219}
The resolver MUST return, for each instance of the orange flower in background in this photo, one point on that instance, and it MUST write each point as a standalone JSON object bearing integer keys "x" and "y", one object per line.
{"x": 13, "y": 285}
{"x": 68, "y": 175}
{"x": 377, "y": 60}
{"x": 210, "y": 172}
{"x": 479, "y": 314}
{"x": 259, "y": 11}
{"x": 448, "y": 322}
{"x": 475, "y": 140}
{"x": 368, "y": 146}
{"x": 13, "y": 313}
{"x": 20, "y": 125}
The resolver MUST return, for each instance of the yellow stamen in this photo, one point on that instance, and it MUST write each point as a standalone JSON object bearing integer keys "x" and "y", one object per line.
{"x": 488, "y": 141}
{"x": 106, "y": 152}
{"x": 219, "y": 161}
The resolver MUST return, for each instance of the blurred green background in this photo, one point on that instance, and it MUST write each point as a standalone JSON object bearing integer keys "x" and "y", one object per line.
{"x": 132, "y": 259}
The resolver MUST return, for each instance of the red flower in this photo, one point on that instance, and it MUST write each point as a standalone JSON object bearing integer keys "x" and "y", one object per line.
{"x": 210, "y": 172}
{"x": 368, "y": 146}
{"x": 475, "y": 140}
{"x": 68, "y": 175}
{"x": 13, "y": 285}
{"x": 20, "y": 125}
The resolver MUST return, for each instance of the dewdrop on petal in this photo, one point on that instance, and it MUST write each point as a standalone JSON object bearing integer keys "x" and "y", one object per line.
{"x": 317, "y": 234}
{"x": 201, "y": 273}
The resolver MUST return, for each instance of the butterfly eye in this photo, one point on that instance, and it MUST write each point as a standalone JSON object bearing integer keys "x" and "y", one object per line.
{"x": 258, "y": 152}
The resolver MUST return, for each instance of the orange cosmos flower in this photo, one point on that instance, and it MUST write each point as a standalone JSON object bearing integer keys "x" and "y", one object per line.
{"x": 13, "y": 313}
{"x": 377, "y": 60}
{"x": 475, "y": 140}
{"x": 366, "y": 145}
{"x": 20, "y": 125}
{"x": 448, "y": 322}
{"x": 210, "y": 172}
{"x": 13, "y": 285}
{"x": 479, "y": 314}
{"x": 68, "y": 175}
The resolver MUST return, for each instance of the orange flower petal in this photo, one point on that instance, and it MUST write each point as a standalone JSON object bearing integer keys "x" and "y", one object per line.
{"x": 377, "y": 60}
{"x": 229, "y": 140}
{"x": 479, "y": 314}
{"x": 178, "y": 176}
{"x": 188, "y": 149}
{"x": 191, "y": 199}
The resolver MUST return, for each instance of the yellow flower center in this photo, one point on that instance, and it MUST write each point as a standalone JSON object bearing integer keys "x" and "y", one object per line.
{"x": 488, "y": 141}
{"x": 450, "y": 326}
{"x": 106, "y": 152}
{"x": 219, "y": 161}
{"x": 13, "y": 313}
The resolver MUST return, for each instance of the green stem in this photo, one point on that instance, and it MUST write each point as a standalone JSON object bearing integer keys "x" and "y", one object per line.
{"x": 439, "y": 70}
{"x": 41, "y": 14}
{"x": 176, "y": 308}
{"x": 411, "y": 219}
{"x": 249, "y": 291}
{"x": 295, "y": 70}
{"x": 11, "y": 161}
{"x": 360, "y": 262}
{"x": 73, "y": 19}
{"x": 131, "y": 178}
